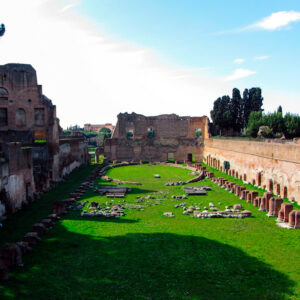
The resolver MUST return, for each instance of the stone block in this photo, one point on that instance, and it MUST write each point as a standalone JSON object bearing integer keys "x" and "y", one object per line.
{"x": 39, "y": 228}
{"x": 31, "y": 238}
{"x": 11, "y": 254}
{"x": 59, "y": 208}
{"x": 3, "y": 271}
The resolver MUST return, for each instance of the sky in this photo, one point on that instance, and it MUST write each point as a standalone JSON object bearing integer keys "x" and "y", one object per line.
{"x": 97, "y": 58}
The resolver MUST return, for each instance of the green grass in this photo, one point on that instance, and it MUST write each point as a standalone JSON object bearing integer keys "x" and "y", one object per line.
{"x": 145, "y": 255}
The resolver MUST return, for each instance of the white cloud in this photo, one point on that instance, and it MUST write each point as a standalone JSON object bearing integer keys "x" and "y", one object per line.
{"x": 69, "y": 6}
{"x": 239, "y": 73}
{"x": 277, "y": 20}
{"x": 91, "y": 77}
{"x": 239, "y": 60}
{"x": 261, "y": 57}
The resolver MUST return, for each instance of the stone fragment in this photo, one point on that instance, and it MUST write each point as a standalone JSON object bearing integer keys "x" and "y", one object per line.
{"x": 12, "y": 255}
{"x": 3, "y": 271}
{"x": 39, "y": 228}
{"x": 47, "y": 223}
{"x": 31, "y": 238}
{"x": 59, "y": 208}
{"x": 237, "y": 206}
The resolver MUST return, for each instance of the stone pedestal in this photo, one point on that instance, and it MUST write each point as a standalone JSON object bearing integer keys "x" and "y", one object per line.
{"x": 284, "y": 193}
{"x": 255, "y": 202}
{"x": 297, "y": 219}
{"x": 270, "y": 185}
{"x": 258, "y": 179}
{"x": 274, "y": 206}
{"x": 292, "y": 218}
{"x": 277, "y": 189}
{"x": 268, "y": 196}
{"x": 285, "y": 210}
{"x": 263, "y": 204}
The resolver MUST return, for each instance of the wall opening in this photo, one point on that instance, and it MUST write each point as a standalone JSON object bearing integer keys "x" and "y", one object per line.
{"x": 129, "y": 134}
{"x": 20, "y": 117}
{"x": 3, "y": 116}
{"x": 171, "y": 157}
{"x": 39, "y": 117}
{"x": 150, "y": 132}
{"x": 198, "y": 133}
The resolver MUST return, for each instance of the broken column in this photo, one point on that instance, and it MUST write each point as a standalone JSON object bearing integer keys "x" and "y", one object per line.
{"x": 263, "y": 204}
{"x": 285, "y": 210}
{"x": 270, "y": 185}
{"x": 292, "y": 218}
{"x": 284, "y": 194}
{"x": 297, "y": 219}
{"x": 258, "y": 178}
{"x": 268, "y": 196}
{"x": 277, "y": 189}
{"x": 274, "y": 206}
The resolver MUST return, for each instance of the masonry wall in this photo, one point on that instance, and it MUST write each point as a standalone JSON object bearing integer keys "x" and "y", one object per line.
{"x": 73, "y": 153}
{"x": 269, "y": 164}
{"x": 174, "y": 136}
{"x": 17, "y": 185}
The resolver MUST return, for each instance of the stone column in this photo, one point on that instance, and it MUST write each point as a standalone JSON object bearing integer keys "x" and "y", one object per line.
{"x": 258, "y": 178}
{"x": 274, "y": 207}
{"x": 292, "y": 218}
{"x": 284, "y": 194}
{"x": 297, "y": 219}
{"x": 277, "y": 189}
{"x": 270, "y": 185}
{"x": 268, "y": 196}
{"x": 263, "y": 205}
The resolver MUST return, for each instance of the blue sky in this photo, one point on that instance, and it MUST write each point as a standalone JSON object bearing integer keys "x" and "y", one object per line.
{"x": 97, "y": 58}
{"x": 204, "y": 34}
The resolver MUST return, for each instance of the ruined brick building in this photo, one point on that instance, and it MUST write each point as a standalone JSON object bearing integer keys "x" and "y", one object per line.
{"x": 97, "y": 127}
{"x": 159, "y": 138}
{"x": 33, "y": 157}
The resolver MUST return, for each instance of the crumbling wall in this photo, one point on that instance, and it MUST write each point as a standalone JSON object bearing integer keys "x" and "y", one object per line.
{"x": 270, "y": 164}
{"x": 73, "y": 153}
{"x": 17, "y": 185}
{"x": 173, "y": 135}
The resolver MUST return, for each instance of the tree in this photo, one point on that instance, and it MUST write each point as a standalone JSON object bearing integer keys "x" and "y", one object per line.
{"x": 292, "y": 125}
{"x": 221, "y": 114}
{"x": 255, "y": 121}
{"x": 105, "y": 133}
{"x": 279, "y": 109}
{"x": 256, "y": 99}
{"x": 236, "y": 110}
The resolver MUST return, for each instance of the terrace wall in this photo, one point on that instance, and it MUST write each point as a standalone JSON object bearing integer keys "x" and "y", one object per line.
{"x": 269, "y": 161}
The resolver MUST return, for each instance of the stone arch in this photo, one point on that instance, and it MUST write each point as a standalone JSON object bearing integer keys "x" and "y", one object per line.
{"x": 20, "y": 117}
{"x": 3, "y": 92}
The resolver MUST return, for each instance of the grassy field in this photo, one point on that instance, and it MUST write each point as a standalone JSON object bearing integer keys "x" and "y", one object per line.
{"x": 145, "y": 255}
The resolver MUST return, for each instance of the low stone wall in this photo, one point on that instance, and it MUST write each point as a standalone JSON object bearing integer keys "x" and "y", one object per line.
{"x": 273, "y": 166}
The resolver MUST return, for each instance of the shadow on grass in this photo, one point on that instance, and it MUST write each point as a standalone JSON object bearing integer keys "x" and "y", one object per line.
{"x": 16, "y": 225}
{"x": 99, "y": 219}
{"x": 68, "y": 265}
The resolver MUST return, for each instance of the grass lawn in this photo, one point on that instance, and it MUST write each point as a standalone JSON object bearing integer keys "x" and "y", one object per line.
{"x": 145, "y": 255}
